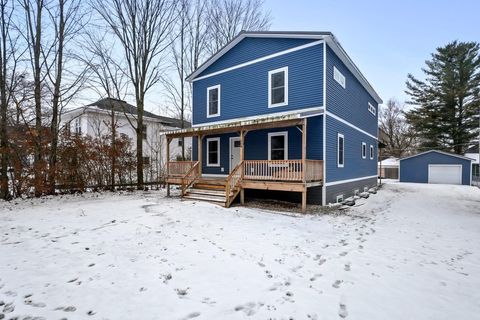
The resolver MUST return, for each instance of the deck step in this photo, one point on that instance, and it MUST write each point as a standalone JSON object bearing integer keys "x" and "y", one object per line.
{"x": 209, "y": 186}
{"x": 211, "y": 181}
{"x": 209, "y": 198}
{"x": 211, "y": 192}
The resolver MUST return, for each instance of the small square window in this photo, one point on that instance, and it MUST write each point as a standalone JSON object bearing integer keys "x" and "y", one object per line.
{"x": 236, "y": 144}
{"x": 372, "y": 109}
{"x": 146, "y": 161}
{"x": 340, "y": 198}
{"x": 339, "y": 77}
{"x": 180, "y": 142}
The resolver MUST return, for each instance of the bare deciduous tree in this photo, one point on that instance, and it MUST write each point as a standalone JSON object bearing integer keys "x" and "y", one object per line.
{"x": 400, "y": 139}
{"x": 142, "y": 28}
{"x": 226, "y": 18}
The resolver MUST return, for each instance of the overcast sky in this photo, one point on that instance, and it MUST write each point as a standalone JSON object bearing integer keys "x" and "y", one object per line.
{"x": 386, "y": 39}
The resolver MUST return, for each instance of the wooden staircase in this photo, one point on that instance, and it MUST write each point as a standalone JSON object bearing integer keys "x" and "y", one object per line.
{"x": 210, "y": 190}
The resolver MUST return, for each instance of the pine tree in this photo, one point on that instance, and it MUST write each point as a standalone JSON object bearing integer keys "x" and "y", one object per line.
{"x": 448, "y": 101}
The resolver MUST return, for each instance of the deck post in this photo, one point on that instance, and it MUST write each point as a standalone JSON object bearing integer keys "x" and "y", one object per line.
{"x": 168, "y": 167}
{"x": 304, "y": 164}
{"x": 199, "y": 155}
{"x": 242, "y": 157}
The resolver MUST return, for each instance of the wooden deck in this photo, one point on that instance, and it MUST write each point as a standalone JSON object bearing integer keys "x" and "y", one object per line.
{"x": 280, "y": 175}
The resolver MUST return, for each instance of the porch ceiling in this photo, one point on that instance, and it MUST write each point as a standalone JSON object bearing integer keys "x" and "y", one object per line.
{"x": 247, "y": 125}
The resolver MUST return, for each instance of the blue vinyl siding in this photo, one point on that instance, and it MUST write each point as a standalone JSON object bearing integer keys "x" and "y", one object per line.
{"x": 244, "y": 91}
{"x": 354, "y": 165}
{"x": 253, "y": 48}
{"x": 351, "y": 103}
{"x": 256, "y": 145}
{"x": 415, "y": 169}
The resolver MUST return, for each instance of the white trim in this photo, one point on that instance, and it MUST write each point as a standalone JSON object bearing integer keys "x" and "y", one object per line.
{"x": 364, "y": 154}
{"x": 263, "y": 116}
{"x": 340, "y": 165}
{"x": 230, "y": 151}
{"x": 218, "y": 87}
{"x": 349, "y": 180}
{"x": 372, "y": 109}
{"x": 372, "y": 152}
{"x": 218, "y": 153}
{"x": 339, "y": 77}
{"x": 438, "y": 151}
{"x": 285, "y": 87}
{"x": 324, "y": 189}
{"x": 285, "y": 143}
{"x": 350, "y": 125}
{"x": 241, "y": 65}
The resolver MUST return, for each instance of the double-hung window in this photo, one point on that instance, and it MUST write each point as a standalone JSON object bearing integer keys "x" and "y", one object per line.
{"x": 213, "y": 101}
{"x": 278, "y": 146}
{"x": 340, "y": 150}
{"x": 371, "y": 152}
{"x": 364, "y": 150}
{"x": 78, "y": 126}
{"x": 213, "y": 152}
{"x": 278, "y": 87}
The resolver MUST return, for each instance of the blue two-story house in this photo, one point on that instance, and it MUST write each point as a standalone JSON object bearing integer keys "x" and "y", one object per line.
{"x": 280, "y": 112}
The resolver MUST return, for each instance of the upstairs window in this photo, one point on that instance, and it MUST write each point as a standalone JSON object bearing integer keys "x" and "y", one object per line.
{"x": 340, "y": 150}
{"x": 278, "y": 87}
{"x": 213, "y": 152}
{"x": 372, "y": 109}
{"x": 278, "y": 146}
{"x": 78, "y": 126}
{"x": 146, "y": 161}
{"x": 213, "y": 101}
{"x": 144, "y": 131}
{"x": 339, "y": 77}
{"x": 364, "y": 150}
{"x": 371, "y": 152}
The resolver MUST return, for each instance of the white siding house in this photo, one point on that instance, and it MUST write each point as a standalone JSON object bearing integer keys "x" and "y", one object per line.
{"x": 94, "y": 120}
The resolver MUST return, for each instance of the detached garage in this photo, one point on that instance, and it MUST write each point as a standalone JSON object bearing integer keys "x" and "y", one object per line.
{"x": 436, "y": 167}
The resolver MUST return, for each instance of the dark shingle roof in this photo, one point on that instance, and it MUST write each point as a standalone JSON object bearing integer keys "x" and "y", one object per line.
{"x": 123, "y": 106}
{"x": 472, "y": 149}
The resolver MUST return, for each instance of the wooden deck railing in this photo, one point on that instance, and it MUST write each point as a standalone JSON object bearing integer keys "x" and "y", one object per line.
{"x": 283, "y": 170}
{"x": 179, "y": 168}
{"x": 232, "y": 186}
{"x": 190, "y": 177}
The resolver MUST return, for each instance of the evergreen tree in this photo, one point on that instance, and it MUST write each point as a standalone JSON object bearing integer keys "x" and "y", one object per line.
{"x": 448, "y": 101}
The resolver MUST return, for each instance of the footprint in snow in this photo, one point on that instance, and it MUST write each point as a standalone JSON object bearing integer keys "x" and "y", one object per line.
{"x": 343, "y": 254}
{"x": 67, "y": 309}
{"x": 29, "y": 302}
{"x": 8, "y": 307}
{"x": 347, "y": 267}
{"x": 337, "y": 284}
{"x": 192, "y": 315}
{"x": 248, "y": 308}
{"x": 342, "y": 311}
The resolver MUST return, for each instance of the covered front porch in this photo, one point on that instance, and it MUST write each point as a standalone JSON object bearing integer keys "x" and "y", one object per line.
{"x": 230, "y": 158}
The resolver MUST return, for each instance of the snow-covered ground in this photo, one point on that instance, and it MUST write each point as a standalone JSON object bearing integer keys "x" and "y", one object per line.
{"x": 411, "y": 251}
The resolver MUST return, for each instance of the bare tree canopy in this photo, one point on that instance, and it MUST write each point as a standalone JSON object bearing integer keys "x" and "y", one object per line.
{"x": 392, "y": 121}
{"x": 142, "y": 29}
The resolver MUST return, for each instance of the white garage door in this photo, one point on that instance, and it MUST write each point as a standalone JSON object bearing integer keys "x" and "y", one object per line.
{"x": 445, "y": 173}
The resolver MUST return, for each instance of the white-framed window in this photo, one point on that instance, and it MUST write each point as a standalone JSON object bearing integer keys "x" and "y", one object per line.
{"x": 340, "y": 150}
{"x": 371, "y": 152}
{"x": 78, "y": 126}
{"x": 278, "y": 145}
{"x": 372, "y": 109}
{"x": 340, "y": 198}
{"x": 339, "y": 77}
{"x": 364, "y": 150}
{"x": 213, "y": 152}
{"x": 213, "y": 101}
{"x": 278, "y": 87}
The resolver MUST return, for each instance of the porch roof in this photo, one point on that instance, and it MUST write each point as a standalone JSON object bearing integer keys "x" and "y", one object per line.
{"x": 245, "y": 125}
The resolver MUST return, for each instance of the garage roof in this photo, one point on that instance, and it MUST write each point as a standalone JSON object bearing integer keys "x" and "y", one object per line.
{"x": 438, "y": 151}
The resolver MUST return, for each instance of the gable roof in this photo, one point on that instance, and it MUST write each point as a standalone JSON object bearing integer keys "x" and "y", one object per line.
{"x": 438, "y": 151}
{"x": 124, "y": 107}
{"x": 472, "y": 149}
{"x": 328, "y": 37}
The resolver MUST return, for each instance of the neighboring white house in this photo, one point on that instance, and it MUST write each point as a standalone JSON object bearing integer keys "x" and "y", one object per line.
{"x": 94, "y": 120}
{"x": 472, "y": 153}
{"x": 388, "y": 168}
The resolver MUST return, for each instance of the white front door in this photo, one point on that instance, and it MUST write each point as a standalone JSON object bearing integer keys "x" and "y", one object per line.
{"x": 234, "y": 152}
{"x": 445, "y": 173}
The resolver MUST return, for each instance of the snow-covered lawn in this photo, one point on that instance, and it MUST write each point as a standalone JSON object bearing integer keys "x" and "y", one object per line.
{"x": 409, "y": 252}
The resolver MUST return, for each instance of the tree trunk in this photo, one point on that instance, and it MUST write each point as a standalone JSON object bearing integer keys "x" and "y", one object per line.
{"x": 139, "y": 148}
{"x": 4, "y": 192}
{"x": 38, "y": 156}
